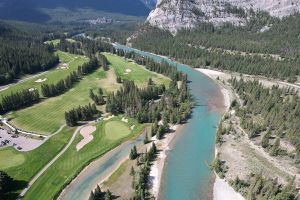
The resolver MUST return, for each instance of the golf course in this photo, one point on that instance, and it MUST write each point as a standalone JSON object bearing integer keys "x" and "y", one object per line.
{"x": 48, "y": 116}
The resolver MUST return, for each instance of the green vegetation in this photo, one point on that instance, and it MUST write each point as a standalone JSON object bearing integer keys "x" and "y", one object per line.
{"x": 24, "y": 165}
{"x": 257, "y": 187}
{"x": 72, "y": 162}
{"x": 52, "y": 76}
{"x": 278, "y": 110}
{"x": 128, "y": 70}
{"x": 10, "y": 158}
{"x": 114, "y": 177}
{"x": 33, "y": 118}
{"x": 115, "y": 130}
{"x": 229, "y": 47}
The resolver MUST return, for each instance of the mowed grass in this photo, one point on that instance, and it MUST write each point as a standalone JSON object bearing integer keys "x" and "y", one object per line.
{"x": 46, "y": 117}
{"x": 72, "y": 162}
{"x": 51, "y": 76}
{"x": 10, "y": 157}
{"x": 116, "y": 129}
{"x": 137, "y": 73}
{"x": 24, "y": 165}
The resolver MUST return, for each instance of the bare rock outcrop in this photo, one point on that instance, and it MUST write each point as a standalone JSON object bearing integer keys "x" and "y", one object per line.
{"x": 177, "y": 14}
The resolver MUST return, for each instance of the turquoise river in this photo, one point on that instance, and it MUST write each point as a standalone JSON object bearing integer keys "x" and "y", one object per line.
{"x": 187, "y": 175}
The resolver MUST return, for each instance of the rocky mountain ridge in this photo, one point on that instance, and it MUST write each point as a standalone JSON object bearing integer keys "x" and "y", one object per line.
{"x": 174, "y": 15}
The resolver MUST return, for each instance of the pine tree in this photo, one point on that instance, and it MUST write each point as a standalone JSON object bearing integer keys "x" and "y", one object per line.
{"x": 108, "y": 195}
{"x": 265, "y": 140}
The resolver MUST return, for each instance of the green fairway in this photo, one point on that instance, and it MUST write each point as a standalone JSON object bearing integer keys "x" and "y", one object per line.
{"x": 46, "y": 117}
{"x": 128, "y": 70}
{"x": 10, "y": 158}
{"x": 24, "y": 165}
{"x": 116, "y": 129}
{"x": 52, "y": 76}
{"x": 71, "y": 162}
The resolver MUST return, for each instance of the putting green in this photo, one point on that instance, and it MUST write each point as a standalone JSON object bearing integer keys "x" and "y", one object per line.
{"x": 10, "y": 158}
{"x": 115, "y": 130}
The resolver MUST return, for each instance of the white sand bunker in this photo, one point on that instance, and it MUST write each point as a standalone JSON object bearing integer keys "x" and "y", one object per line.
{"x": 31, "y": 89}
{"x": 108, "y": 118}
{"x": 41, "y": 80}
{"x": 63, "y": 66}
{"x": 132, "y": 127}
{"x": 124, "y": 120}
{"x": 127, "y": 71}
{"x": 86, "y": 133}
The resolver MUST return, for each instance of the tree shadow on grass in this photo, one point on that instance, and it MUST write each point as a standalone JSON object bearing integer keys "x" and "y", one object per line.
{"x": 14, "y": 190}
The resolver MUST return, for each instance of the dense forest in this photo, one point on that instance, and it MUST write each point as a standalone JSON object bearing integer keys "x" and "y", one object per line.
{"x": 22, "y": 54}
{"x": 208, "y": 46}
{"x": 277, "y": 113}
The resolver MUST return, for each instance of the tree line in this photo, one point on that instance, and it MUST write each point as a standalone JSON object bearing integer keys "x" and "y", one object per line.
{"x": 17, "y": 100}
{"x": 140, "y": 179}
{"x": 186, "y": 48}
{"x": 50, "y": 90}
{"x": 81, "y": 113}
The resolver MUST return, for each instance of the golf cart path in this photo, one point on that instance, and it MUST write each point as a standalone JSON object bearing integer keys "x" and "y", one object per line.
{"x": 40, "y": 173}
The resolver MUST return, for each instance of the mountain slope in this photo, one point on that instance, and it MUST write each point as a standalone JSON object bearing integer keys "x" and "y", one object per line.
{"x": 177, "y": 14}
{"x": 32, "y": 10}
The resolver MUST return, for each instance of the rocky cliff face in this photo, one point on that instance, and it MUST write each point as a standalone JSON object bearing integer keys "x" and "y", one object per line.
{"x": 177, "y": 14}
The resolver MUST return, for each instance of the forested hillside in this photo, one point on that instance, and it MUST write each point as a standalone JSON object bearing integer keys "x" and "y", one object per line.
{"x": 42, "y": 11}
{"x": 273, "y": 52}
{"x": 274, "y": 110}
{"x": 21, "y": 53}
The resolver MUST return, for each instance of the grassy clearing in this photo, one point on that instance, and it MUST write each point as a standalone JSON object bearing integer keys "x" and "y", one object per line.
{"x": 72, "y": 162}
{"x": 116, "y": 129}
{"x": 34, "y": 160}
{"x": 116, "y": 175}
{"x": 52, "y": 76}
{"x": 137, "y": 73}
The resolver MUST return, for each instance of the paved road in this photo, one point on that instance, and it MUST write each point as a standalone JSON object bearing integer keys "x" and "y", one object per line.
{"x": 40, "y": 173}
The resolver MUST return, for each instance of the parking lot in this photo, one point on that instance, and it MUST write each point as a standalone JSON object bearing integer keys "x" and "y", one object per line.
{"x": 19, "y": 142}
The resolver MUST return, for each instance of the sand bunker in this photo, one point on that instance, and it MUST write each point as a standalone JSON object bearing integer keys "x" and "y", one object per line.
{"x": 108, "y": 118}
{"x": 64, "y": 66}
{"x": 127, "y": 71}
{"x": 86, "y": 133}
{"x": 124, "y": 120}
{"x": 41, "y": 80}
{"x": 31, "y": 89}
{"x": 132, "y": 127}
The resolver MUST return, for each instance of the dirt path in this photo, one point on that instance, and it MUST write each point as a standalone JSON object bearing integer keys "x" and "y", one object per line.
{"x": 40, "y": 173}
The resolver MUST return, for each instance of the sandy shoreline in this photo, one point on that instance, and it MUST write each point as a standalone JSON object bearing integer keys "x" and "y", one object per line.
{"x": 157, "y": 168}
{"x": 221, "y": 188}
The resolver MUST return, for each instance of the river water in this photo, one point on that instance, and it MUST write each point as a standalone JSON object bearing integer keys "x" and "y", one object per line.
{"x": 186, "y": 172}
